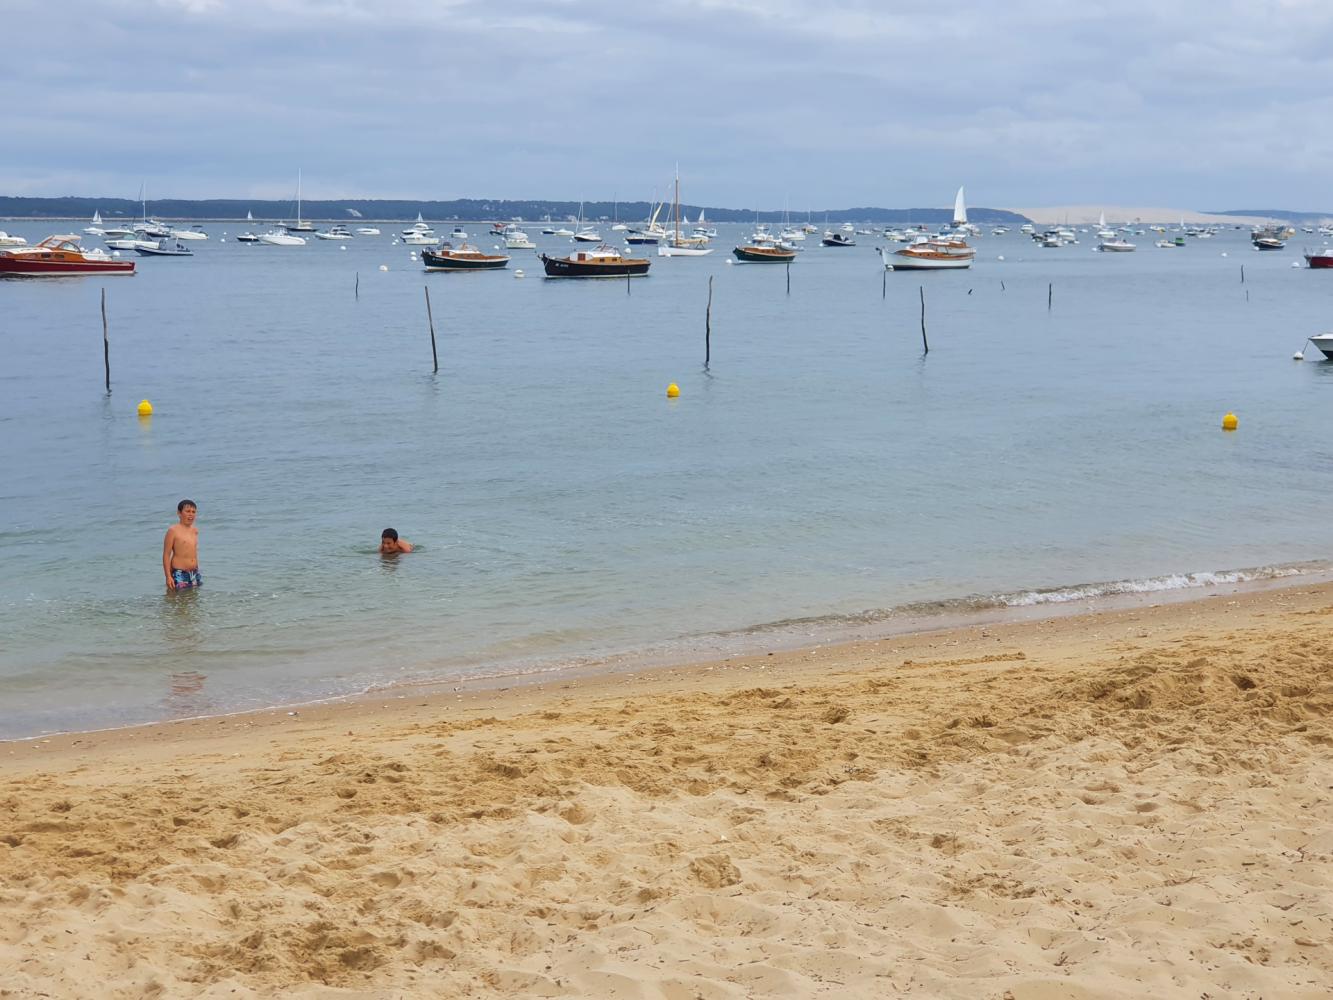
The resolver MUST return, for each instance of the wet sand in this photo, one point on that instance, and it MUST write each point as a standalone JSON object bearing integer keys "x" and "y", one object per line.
{"x": 1127, "y": 804}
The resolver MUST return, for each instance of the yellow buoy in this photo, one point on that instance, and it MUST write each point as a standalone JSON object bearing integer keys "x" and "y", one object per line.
{"x": 673, "y": 391}
{"x": 145, "y": 408}
{"x": 1229, "y": 422}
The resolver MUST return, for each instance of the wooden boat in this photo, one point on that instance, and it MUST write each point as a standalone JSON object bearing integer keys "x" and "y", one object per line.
{"x": 765, "y": 255}
{"x": 1268, "y": 243}
{"x": 58, "y": 255}
{"x": 930, "y": 255}
{"x": 600, "y": 262}
{"x": 683, "y": 246}
{"x": 465, "y": 257}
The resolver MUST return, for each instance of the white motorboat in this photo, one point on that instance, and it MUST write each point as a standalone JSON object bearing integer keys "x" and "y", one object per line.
{"x": 1324, "y": 342}
{"x": 419, "y": 228}
{"x": 562, "y": 231}
{"x": 281, "y": 238}
{"x": 247, "y": 237}
{"x": 117, "y": 233}
{"x": 1115, "y": 245}
{"x": 458, "y": 233}
{"x": 164, "y": 248}
{"x": 367, "y": 231}
{"x": 11, "y": 241}
{"x": 334, "y": 233}
{"x": 519, "y": 241}
{"x": 419, "y": 239}
{"x": 96, "y": 228}
{"x": 588, "y": 235}
{"x": 930, "y": 255}
{"x": 193, "y": 233}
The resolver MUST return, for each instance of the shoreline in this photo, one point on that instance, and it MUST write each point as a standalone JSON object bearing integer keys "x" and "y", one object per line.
{"x": 1089, "y": 803}
{"x": 1107, "y": 805}
{"x": 793, "y": 636}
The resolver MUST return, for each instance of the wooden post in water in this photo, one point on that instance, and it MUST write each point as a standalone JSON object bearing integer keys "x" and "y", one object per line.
{"x": 627, "y": 279}
{"x": 924, "y": 342}
{"x": 1242, "y": 274}
{"x": 708, "y": 323}
{"x": 788, "y": 277}
{"x": 1050, "y": 290}
{"x": 357, "y": 289}
{"x": 431, "y": 320}
{"x": 1001, "y": 284}
{"x": 884, "y": 283}
{"x": 106, "y": 346}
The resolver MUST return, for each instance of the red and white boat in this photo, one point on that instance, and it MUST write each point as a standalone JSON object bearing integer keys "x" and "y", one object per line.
{"x": 926, "y": 254}
{"x": 1323, "y": 257}
{"x": 57, "y": 255}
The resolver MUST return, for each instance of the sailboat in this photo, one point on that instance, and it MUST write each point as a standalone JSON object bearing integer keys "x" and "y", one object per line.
{"x": 960, "y": 222}
{"x": 586, "y": 234}
{"x": 1102, "y": 232}
{"x": 146, "y": 226}
{"x": 679, "y": 246}
{"x": 299, "y": 226}
{"x": 652, "y": 233}
{"x": 96, "y": 228}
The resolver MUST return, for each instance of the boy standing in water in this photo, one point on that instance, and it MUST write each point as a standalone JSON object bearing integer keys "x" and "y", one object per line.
{"x": 180, "y": 551}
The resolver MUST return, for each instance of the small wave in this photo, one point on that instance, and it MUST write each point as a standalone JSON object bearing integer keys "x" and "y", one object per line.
{"x": 1034, "y": 598}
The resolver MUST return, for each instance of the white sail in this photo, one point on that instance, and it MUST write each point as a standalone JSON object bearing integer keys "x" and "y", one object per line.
{"x": 959, "y": 209}
{"x": 700, "y": 221}
{"x": 97, "y": 218}
{"x": 248, "y": 216}
{"x": 1101, "y": 220}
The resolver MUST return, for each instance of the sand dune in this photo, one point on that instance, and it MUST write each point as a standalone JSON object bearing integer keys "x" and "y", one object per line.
{"x": 1135, "y": 804}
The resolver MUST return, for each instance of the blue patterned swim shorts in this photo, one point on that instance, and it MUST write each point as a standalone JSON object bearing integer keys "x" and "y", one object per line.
{"x": 186, "y": 579}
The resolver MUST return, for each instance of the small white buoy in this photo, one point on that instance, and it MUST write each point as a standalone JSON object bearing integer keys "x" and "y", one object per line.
{"x": 730, "y": 261}
{"x": 1295, "y": 263}
{"x": 1298, "y": 356}
{"x": 342, "y": 247}
{"x": 223, "y": 240}
{"x": 518, "y": 272}
{"x": 1001, "y": 257}
{"x": 384, "y": 267}
{"x": 495, "y": 246}
{"x": 1224, "y": 253}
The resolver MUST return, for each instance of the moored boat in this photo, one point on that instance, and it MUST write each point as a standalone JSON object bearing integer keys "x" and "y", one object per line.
{"x": 336, "y": 232}
{"x": 930, "y": 255}
{"x": 11, "y": 241}
{"x": 832, "y": 239}
{"x": 600, "y": 262}
{"x": 771, "y": 254}
{"x": 1268, "y": 243}
{"x": 164, "y": 248}
{"x": 1115, "y": 245}
{"x": 60, "y": 255}
{"x": 464, "y": 257}
{"x": 281, "y": 238}
{"x": 1321, "y": 258}
{"x": 1324, "y": 342}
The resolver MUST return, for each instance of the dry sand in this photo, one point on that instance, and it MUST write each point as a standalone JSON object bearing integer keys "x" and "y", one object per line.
{"x": 1123, "y": 805}
{"x": 1086, "y": 215}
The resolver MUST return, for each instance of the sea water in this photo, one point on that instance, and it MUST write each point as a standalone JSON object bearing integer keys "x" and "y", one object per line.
{"x": 822, "y": 473}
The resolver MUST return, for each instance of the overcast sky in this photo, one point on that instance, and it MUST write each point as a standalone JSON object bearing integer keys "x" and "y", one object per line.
{"x": 810, "y": 103}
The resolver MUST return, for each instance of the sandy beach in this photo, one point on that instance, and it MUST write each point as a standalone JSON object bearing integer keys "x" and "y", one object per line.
{"x": 1125, "y": 804}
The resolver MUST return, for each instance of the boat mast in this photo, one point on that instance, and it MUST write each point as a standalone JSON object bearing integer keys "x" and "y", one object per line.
{"x": 677, "y": 204}
{"x": 298, "y": 196}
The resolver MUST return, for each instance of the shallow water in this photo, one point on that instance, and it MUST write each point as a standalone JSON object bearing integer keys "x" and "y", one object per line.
{"x": 822, "y": 471}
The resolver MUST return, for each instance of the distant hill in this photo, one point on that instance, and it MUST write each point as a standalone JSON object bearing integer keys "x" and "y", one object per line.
{"x": 1279, "y": 213}
{"x": 466, "y": 209}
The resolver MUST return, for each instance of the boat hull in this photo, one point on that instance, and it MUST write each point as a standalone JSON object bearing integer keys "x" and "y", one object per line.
{"x": 561, "y": 267}
{"x": 18, "y": 267}
{"x": 439, "y": 262}
{"x": 670, "y": 251}
{"x": 764, "y": 255}
{"x": 1319, "y": 261}
{"x": 1325, "y": 344}
{"x": 900, "y": 261}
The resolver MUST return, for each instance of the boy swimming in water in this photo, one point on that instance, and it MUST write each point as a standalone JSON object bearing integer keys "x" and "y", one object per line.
{"x": 391, "y": 544}
{"x": 180, "y": 550}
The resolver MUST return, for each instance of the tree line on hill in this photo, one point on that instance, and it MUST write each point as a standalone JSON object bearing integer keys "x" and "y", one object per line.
{"x": 349, "y": 209}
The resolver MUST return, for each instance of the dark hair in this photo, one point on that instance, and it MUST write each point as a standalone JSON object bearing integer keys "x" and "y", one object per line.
{"x": 186, "y": 503}
{"x": 389, "y": 533}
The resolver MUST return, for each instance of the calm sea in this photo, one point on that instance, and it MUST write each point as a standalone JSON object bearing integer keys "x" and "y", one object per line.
{"x": 821, "y": 476}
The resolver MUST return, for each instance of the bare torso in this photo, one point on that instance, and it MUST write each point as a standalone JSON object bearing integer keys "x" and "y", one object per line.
{"x": 184, "y": 546}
